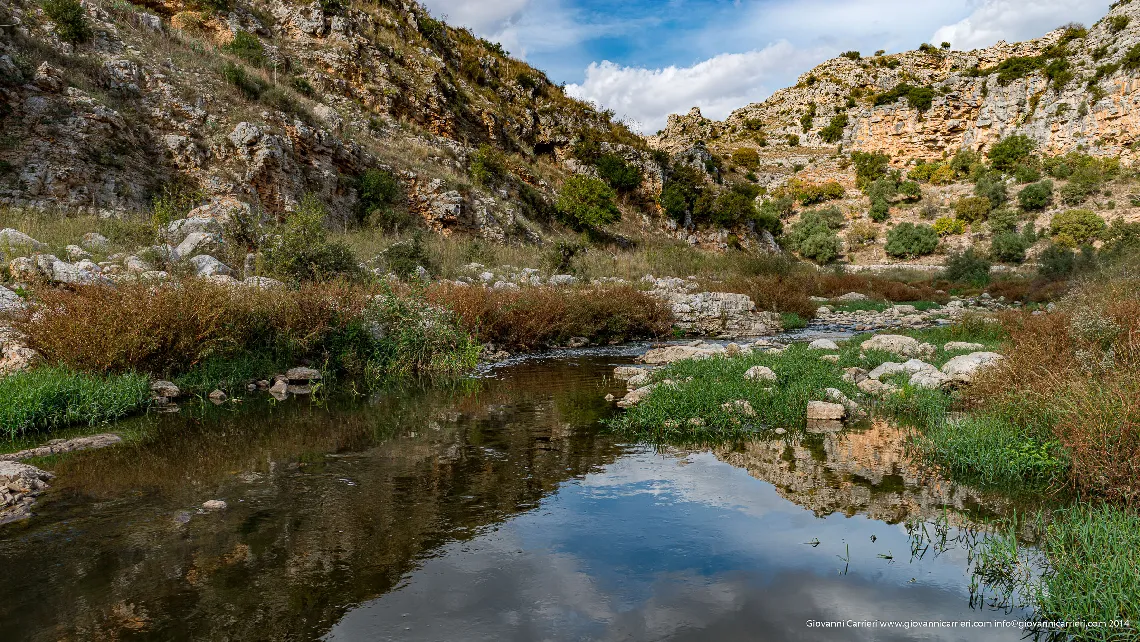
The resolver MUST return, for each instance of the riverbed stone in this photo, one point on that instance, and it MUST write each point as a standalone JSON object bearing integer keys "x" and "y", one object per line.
{"x": 825, "y": 411}
{"x": 876, "y": 388}
{"x": 635, "y": 397}
{"x": 669, "y": 354}
{"x": 886, "y": 369}
{"x": 20, "y": 485}
{"x": 165, "y": 389}
{"x": 302, "y": 375}
{"x": 637, "y": 381}
{"x": 899, "y": 344}
{"x": 217, "y": 397}
{"x": 626, "y": 372}
{"x": 835, "y": 395}
{"x": 853, "y": 296}
{"x": 931, "y": 379}
{"x": 760, "y": 373}
{"x": 60, "y": 446}
{"x": 854, "y": 375}
{"x": 823, "y": 344}
{"x": 963, "y": 369}
{"x": 739, "y": 406}
{"x": 215, "y": 505}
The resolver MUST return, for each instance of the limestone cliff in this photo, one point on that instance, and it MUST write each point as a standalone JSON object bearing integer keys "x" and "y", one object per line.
{"x": 1071, "y": 89}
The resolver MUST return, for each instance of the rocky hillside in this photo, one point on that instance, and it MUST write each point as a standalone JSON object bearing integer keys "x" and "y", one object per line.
{"x": 107, "y": 105}
{"x": 1074, "y": 88}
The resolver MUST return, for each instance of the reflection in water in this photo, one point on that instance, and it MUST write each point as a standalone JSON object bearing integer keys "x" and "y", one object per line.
{"x": 496, "y": 510}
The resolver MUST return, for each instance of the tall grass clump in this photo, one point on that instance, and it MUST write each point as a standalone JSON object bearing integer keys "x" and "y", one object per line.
{"x": 535, "y": 317}
{"x": 50, "y": 398}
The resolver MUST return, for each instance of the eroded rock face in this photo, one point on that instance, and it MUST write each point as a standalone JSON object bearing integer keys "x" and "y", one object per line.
{"x": 723, "y": 314}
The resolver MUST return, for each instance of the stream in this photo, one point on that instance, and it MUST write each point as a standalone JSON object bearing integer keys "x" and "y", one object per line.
{"x": 497, "y": 508}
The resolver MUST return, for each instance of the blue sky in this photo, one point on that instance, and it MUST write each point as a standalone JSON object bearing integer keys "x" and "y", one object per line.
{"x": 647, "y": 59}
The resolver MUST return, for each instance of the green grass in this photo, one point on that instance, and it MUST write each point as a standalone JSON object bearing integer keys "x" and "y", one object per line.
{"x": 664, "y": 416}
{"x": 1086, "y": 568}
{"x": 51, "y": 398}
{"x": 987, "y": 451}
{"x": 792, "y": 321}
{"x": 229, "y": 373}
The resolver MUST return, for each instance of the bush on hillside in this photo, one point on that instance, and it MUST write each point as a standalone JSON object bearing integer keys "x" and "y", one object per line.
{"x": 991, "y": 186}
{"x": 377, "y": 190}
{"x": 746, "y": 157}
{"x": 70, "y": 20}
{"x": 1008, "y": 247}
{"x": 880, "y": 211}
{"x": 587, "y": 202}
{"x": 1074, "y": 228}
{"x": 947, "y": 226}
{"x": 620, "y": 175}
{"x": 869, "y": 167}
{"x": 861, "y": 234}
{"x": 814, "y": 237}
{"x": 1036, "y": 196}
{"x": 1006, "y": 154}
{"x": 834, "y": 130}
{"x": 910, "y": 240}
{"x": 302, "y": 251}
{"x": 967, "y": 267}
{"x": 488, "y": 167}
{"x": 972, "y": 209}
{"x": 246, "y": 46}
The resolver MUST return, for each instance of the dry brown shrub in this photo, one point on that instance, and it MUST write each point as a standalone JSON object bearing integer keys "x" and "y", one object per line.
{"x": 539, "y": 316}
{"x": 831, "y": 284}
{"x": 773, "y": 293}
{"x": 172, "y": 327}
{"x": 1100, "y": 426}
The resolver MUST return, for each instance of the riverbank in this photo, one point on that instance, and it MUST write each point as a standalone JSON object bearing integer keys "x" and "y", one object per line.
{"x": 1021, "y": 401}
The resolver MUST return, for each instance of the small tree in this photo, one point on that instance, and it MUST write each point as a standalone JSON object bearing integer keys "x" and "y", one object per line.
{"x": 1036, "y": 196}
{"x": 303, "y": 252}
{"x": 910, "y": 240}
{"x": 746, "y": 157}
{"x": 1076, "y": 227}
{"x": 972, "y": 209}
{"x": 1007, "y": 153}
{"x": 1008, "y": 247}
{"x": 967, "y": 267}
{"x": 70, "y": 20}
{"x": 586, "y": 202}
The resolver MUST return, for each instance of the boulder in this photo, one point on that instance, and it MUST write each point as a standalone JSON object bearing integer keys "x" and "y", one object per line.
{"x": 637, "y": 381}
{"x": 963, "y": 346}
{"x": 17, "y": 240}
{"x": 136, "y": 265}
{"x": 301, "y": 375}
{"x": 177, "y": 231}
{"x": 854, "y": 375}
{"x": 963, "y": 369}
{"x": 875, "y": 387}
{"x": 886, "y": 369}
{"x": 215, "y": 505}
{"x": 165, "y": 389}
{"x": 76, "y": 253}
{"x": 904, "y": 309}
{"x": 217, "y": 396}
{"x": 825, "y": 411}
{"x": 835, "y": 395}
{"x": 10, "y": 302}
{"x": 853, "y": 296}
{"x": 562, "y": 279}
{"x": 634, "y": 397}
{"x": 669, "y": 354}
{"x": 60, "y": 446}
{"x": 196, "y": 243}
{"x": 932, "y": 379}
{"x": 206, "y": 265}
{"x": 823, "y": 344}
{"x": 917, "y": 365}
{"x": 20, "y": 484}
{"x": 899, "y": 344}
{"x": 760, "y": 373}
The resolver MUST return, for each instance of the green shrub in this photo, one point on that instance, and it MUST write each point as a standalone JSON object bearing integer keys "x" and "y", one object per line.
{"x": 1116, "y": 24}
{"x": 869, "y": 167}
{"x": 246, "y": 46}
{"x": 417, "y": 339}
{"x": 250, "y": 86}
{"x": 861, "y": 234}
{"x": 51, "y": 398}
{"x": 991, "y": 186}
{"x": 920, "y": 98}
{"x": 1036, "y": 196}
{"x": 834, "y": 130}
{"x": 302, "y": 252}
{"x": 793, "y": 140}
{"x": 620, "y": 175}
{"x": 487, "y": 166}
{"x": 746, "y": 157}
{"x": 880, "y": 211}
{"x": 1121, "y": 237}
{"x": 1003, "y": 220}
{"x": 403, "y": 257}
{"x": 70, "y": 20}
{"x": 967, "y": 267}
{"x": 814, "y": 193}
{"x": 587, "y": 203}
{"x": 910, "y": 240}
{"x": 1007, "y": 153}
{"x": 1131, "y": 59}
{"x": 910, "y": 191}
{"x": 1057, "y": 262}
{"x": 302, "y": 86}
{"x": 732, "y": 207}
{"x": 1027, "y": 173}
{"x": 851, "y": 55}
{"x": 1074, "y": 228}
{"x": 1008, "y": 247}
{"x": 377, "y": 191}
{"x": 947, "y": 226}
{"x": 972, "y": 209}
{"x": 814, "y": 237}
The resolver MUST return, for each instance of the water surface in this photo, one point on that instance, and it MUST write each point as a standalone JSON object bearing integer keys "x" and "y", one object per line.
{"x": 498, "y": 509}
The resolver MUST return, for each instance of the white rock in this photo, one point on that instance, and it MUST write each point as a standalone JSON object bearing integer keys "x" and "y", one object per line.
{"x": 76, "y": 253}
{"x": 635, "y": 397}
{"x": 215, "y": 505}
{"x": 899, "y": 344}
{"x": 825, "y": 411}
{"x": 823, "y": 344}
{"x": 165, "y": 389}
{"x": 10, "y": 301}
{"x": 760, "y": 373}
{"x": 669, "y": 354}
{"x": 196, "y": 243}
{"x": 835, "y": 395}
{"x": 627, "y": 372}
{"x": 741, "y": 406}
{"x": 853, "y": 296}
{"x": 962, "y": 369}
{"x": 875, "y": 387}
{"x": 885, "y": 369}
{"x": 637, "y": 381}
{"x": 915, "y": 365}
{"x": 562, "y": 279}
{"x": 17, "y": 240}
{"x": 94, "y": 241}
{"x": 932, "y": 379}
{"x": 206, "y": 265}
{"x": 177, "y": 231}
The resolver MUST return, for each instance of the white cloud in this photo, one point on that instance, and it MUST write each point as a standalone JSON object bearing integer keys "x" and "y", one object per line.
{"x": 1014, "y": 20}
{"x": 717, "y": 85}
